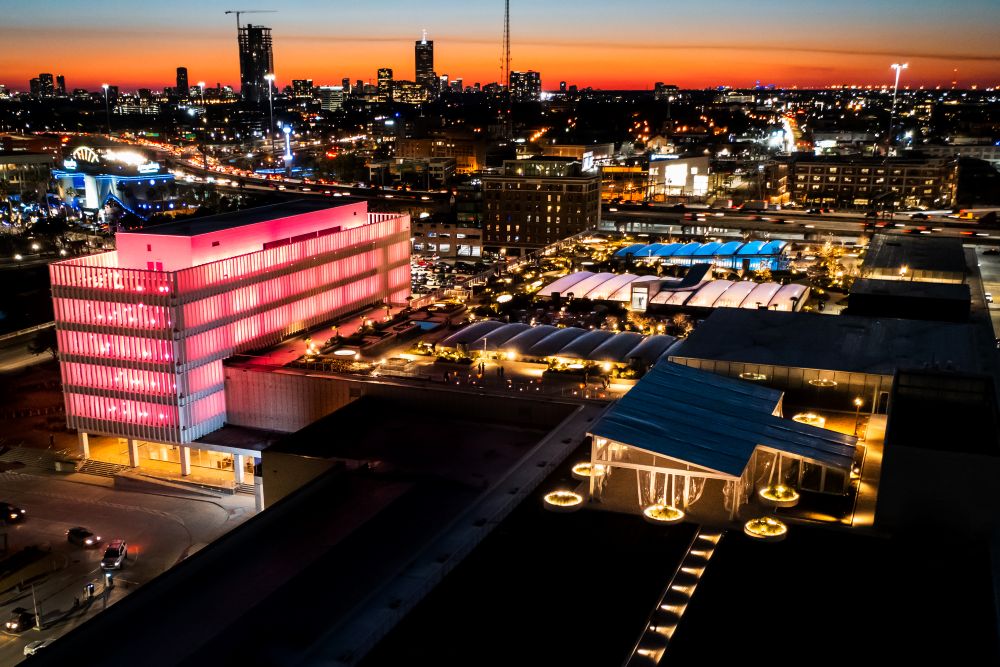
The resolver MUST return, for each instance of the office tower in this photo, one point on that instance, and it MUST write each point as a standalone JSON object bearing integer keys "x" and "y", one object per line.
{"x": 256, "y": 62}
{"x": 562, "y": 86}
{"x": 61, "y": 85}
{"x": 46, "y": 85}
{"x": 331, "y": 98}
{"x": 302, "y": 87}
{"x": 345, "y": 83}
{"x": 539, "y": 201}
{"x": 143, "y": 330}
{"x": 35, "y": 87}
{"x": 424, "y": 54}
{"x": 183, "y": 89}
{"x": 662, "y": 91}
{"x": 526, "y": 86}
{"x": 385, "y": 84}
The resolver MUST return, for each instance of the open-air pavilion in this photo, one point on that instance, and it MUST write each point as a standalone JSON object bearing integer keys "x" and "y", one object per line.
{"x": 708, "y": 445}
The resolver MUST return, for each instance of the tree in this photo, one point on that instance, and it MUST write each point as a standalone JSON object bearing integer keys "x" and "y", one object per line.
{"x": 45, "y": 341}
{"x": 763, "y": 274}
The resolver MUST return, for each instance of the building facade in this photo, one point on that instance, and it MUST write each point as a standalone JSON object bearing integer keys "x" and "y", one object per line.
{"x": 256, "y": 62}
{"x": 183, "y": 90}
{"x": 857, "y": 182}
{"x": 385, "y": 84}
{"x": 526, "y": 86}
{"x": 423, "y": 53}
{"x": 143, "y": 330}
{"x": 446, "y": 240}
{"x": 539, "y": 201}
{"x": 468, "y": 150}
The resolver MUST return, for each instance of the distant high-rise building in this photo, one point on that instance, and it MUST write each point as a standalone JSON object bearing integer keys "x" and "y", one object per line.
{"x": 256, "y": 62}
{"x": 345, "y": 83}
{"x": 302, "y": 87}
{"x": 183, "y": 88}
{"x": 61, "y": 86}
{"x": 662, "y": 91}
{"x": 424, "y": 54}
{"x": 385, "y": 84}
{"x": 331, "y": 97}
{"x": 46, "y": 85}
{"x": 562, "y": 86}
{"x": 526, "y": 86}
{"x": 35, "y": 87}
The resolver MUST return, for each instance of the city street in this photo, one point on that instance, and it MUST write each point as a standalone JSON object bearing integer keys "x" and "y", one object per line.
{"x": 160, "y": 531}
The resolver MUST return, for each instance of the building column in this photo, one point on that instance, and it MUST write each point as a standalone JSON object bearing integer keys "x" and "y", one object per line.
{"x": 258, "y": 484}
{"x": 185, "y": 460}
{"x": 84, "y": 440}
{"x": 238, "y": 468}
{"x": 133, "y": 453}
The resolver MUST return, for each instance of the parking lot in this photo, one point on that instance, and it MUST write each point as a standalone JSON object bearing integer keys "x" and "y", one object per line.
{"x": 160, "y": 531}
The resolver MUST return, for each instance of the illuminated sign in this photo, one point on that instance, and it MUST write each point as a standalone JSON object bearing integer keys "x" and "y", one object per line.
{"x": 69, "y": 163}
{"x": 148, "y": 168}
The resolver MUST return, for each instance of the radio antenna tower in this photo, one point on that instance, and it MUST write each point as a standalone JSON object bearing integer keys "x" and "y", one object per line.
{"x": 505, "y": 81}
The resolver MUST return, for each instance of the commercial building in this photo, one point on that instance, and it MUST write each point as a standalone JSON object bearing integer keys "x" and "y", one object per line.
{"x": 894, "y": 257}
{"x": 539, "y": 201}
{"x": 910, "y": 299}
{"x": 526, "y": 86}
{"x": 421, "y": 172}
{"x": 672, "y": 176}
{"x": 423, "y": 54}
{"x": 256, "y": 62}
{"x": 446, "y": 240}
{"x": 856, "y": 182}
{"x": 468, "y": 150}
{"x": 143, "y": 330}
{"x": 986, "y": 152}
{"x": 385, "y": 84}
{"x": 183, "y": 89}
{"x": 331, "y": 98}
{"x": 25, "y": 171}
{"x": 822, "y": 359}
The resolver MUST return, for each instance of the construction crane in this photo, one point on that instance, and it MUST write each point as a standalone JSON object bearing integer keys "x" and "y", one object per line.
{"x": 249, "y": 11}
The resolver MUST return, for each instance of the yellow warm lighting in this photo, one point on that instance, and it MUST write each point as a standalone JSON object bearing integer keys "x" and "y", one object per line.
{"x": 779, "y": 495}
{"x": 662, "y": 514}
{"x": 504, "y": 298}
{"x": 766, "y": 529}
{"x": 563, "y": 501}
{"x": 756, "y": 377}
{"x": 587, "y": 470}
{"x": 810, "y": 418}
{"x": 823, "y": 383}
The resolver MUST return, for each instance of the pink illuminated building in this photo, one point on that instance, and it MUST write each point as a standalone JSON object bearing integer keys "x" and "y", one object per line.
{"x": 143, "y": 330}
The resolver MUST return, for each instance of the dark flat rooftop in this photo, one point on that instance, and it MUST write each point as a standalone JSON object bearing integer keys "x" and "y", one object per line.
{"x": 912, "y": 289}
{"x": 893, "y": 252}
{"x": 831, "y": 342}
{"x": 250, "y": 216}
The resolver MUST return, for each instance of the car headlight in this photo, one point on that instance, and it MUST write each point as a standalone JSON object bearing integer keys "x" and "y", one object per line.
{"x": 13, "y": 516}
{"x": 88, "y": 541}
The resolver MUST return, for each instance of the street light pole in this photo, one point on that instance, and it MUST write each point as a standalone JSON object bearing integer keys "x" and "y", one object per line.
{"x": 857, "y": 414}
{"x": 107, "y": 106}
{"x": 270, "y": 105}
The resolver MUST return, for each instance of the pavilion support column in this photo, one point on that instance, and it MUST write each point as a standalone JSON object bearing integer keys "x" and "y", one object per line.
{"x": 185, "y": 453}
{"x": 133, "y": 452}
{"x": 84, "y": 440}
{"x": 238, "y": 468}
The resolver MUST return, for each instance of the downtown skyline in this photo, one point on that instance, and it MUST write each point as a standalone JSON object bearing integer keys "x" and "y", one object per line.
{"x": 585, "y": 43}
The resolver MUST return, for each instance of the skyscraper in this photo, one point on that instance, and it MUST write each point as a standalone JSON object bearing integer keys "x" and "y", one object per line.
{"x": 183, "y": 89}
{"x": 61, "y": 86}
{"x": 256, "y": 62}
{"x": 46, "y": 85}
{"x": 385, "y": 84}
{"x": 424, "y": 54}
{"x": 526, "y": 86}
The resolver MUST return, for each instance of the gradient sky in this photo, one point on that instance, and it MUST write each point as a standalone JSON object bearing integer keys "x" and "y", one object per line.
{"x": 600, "y": 43}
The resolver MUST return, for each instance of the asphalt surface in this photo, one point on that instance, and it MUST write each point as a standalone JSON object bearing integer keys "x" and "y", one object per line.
{"x": 160, "y": 531}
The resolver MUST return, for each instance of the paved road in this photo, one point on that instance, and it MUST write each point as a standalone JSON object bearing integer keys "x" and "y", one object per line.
{"x": 160, "y": 531}
{"x": 14, "y": 354}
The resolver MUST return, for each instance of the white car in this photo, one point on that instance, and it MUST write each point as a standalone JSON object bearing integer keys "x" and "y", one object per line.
{"x": 34, "y": 647}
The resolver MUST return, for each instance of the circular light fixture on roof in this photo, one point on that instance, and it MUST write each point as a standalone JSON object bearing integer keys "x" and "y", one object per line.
{"x": 563, "y": 501}
{"x": 823, "y": 383}
{"x": 586, "y": 470}
{"x": 343, "y": 352}
{"x": 810, "y": 418}
{"x": 779, "y": 495}
{"x": 663, "y": 514}
{"x": 504, "y": 298}
{"x": 575, "y": 367}
{"x": 765, "y": 529}
{"x": 755, "y": 377}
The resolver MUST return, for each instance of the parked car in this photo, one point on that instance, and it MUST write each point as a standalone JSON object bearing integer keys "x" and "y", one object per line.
{"x": 82, "y": 537}
{"x": 919, "y": 216}
{"x": 34, "y": 647}
{"x": 115, "y": 555}
{"x": 11, "y": 513}
{"x": 992, "y": 251}
{"x": 989, "y": 298}
{"x": 20, "y": 620}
